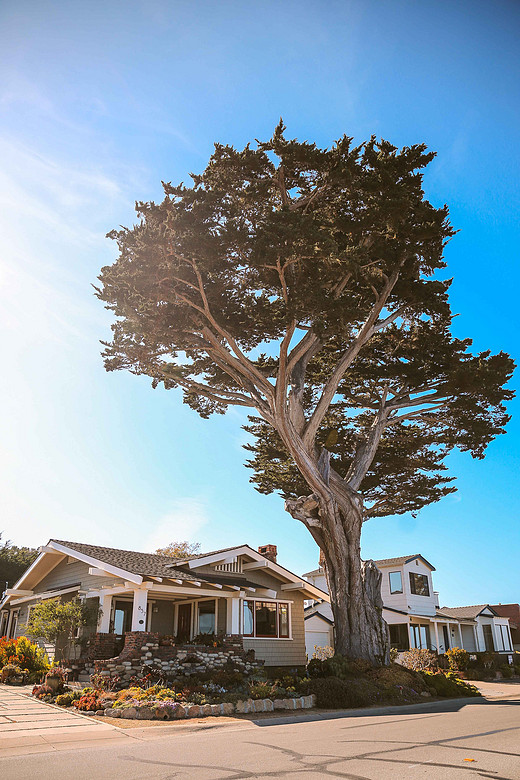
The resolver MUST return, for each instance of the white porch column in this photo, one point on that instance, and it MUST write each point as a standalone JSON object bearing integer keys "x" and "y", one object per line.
{"x": 436, "y": 629}
{"x": 460, "y": 636}
{"x": 105, "y": 603}
{"x": 140, "y": 609}
{"x": 410, "y": 635}
{"x": 233, "y": 616}
{"x": 475, "y": 636}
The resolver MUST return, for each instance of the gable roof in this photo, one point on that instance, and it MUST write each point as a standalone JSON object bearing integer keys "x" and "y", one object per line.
{"x": 151, "y": 564}
{"x": 471, "y": 612}
{"x": 402, "y": 560}
{"x": 136, "y": 566}
{"x": 319, "y": 615}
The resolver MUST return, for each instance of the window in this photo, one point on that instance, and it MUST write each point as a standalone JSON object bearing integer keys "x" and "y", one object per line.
{"x": 505, "y": 637}
{"x": 399, "y": 636}
{"x": 207, "y": 617}
{"x": 14, "y": 624}
{"x": 283, "y": 620}
{"x": 265, "y": 618}
{"x": 268, "y": 619}
{"x": 396, "y": 582}
{"x": 3, "y": 623}
{"x": 421, "y": 637}
{"x": 419, "y": 584}
{"x": 249, "y": 619}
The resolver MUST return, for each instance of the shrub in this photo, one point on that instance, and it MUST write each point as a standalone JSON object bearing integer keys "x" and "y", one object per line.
{"x": 11, "y": 673}
{"x": 321, "y": 653}
{"x": 507, "y": 671}
{"x": 208, "y": 640}
{"x": 419, "y": 660}
{"x": 23, "y": 653}
{"x": 66, "y": 699}
{"x": 449, "y": 684}
{"x": 42, "y": 692}
{"x": 102, "y": 682}
{"x": 396, "y": 676}
{"x": 458, "y": 659}
{"x": 338, "y": 694}
{"x": 89, "y": 702}
{"x": 394, "y": 652}
{"x": 337, "y": 666}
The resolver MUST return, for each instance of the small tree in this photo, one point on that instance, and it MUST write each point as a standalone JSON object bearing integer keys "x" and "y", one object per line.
{"x": 301, "y": 283}
{"x": 57, "y": 622}
{"x": 179, "y": 549}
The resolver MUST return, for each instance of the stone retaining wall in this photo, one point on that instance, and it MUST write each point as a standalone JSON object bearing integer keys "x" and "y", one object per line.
{"x": 183, "y": 660}
{"x": 175, "y": 711}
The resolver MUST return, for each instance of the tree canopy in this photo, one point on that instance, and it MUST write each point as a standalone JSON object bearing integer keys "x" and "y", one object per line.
{"x": 13, "y": 562}
{"x": 308, "y": 285}
{"x": 179, "y": 549}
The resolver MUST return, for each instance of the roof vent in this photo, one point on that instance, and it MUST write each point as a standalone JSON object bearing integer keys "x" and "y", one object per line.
{"x": 269, "y": 551}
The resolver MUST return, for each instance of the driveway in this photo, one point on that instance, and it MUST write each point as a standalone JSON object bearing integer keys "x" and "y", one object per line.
{"x": 30, "y": 726}
{"x": 440, "y": 740}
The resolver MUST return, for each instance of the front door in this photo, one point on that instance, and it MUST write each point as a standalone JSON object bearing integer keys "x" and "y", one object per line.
{"x": 184, "y": 623}
{"x": 122, "y": 617}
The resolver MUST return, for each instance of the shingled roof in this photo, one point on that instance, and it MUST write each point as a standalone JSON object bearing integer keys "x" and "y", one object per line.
{"x": 402, "y": 560}
{"x": 470, "y": 612}
{"x": 150, "y": 564}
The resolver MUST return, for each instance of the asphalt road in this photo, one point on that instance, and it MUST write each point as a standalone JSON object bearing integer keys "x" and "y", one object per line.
{"x": 463, "y": 738}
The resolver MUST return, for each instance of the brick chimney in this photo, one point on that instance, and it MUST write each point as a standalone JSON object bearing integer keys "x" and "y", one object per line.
{"x": 269, "y": 551}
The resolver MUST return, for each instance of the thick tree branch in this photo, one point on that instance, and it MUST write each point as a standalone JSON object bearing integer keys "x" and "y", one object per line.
{"x": 364, "y": 335}
{"x": 366, "y": 452}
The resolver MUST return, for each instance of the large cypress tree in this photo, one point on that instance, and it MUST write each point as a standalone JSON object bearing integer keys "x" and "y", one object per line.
{"x": 303, "y": 283}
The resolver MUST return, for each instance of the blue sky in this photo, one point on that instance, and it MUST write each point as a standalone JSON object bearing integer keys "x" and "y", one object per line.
{"x": 99, "y": 101}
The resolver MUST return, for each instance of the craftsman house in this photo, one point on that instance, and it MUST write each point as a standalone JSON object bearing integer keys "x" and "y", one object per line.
{"x": 239, "y": 592}
{"x": 411, "y": 610}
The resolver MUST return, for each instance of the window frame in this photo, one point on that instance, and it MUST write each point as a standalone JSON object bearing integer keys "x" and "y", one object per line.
{"x": 394, "y": 592}
{"x": 413, "y": 590}
{"x": 279, "y": 603}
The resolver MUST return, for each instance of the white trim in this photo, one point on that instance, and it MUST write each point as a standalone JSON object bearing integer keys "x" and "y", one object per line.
{"x": 115, "y": 570}
{"x": 45, "y": 595}
{"x": 33, "y": 565}
{"x": 289, "y": 603}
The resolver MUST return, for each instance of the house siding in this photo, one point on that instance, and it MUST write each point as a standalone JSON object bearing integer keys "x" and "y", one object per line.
{"x": 66, "y": 574}
{"x": 283, "y": 652}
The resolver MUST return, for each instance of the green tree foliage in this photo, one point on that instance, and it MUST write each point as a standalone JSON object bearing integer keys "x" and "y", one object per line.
{"x": 179, "y": 549}
{"x": 13, "y": 562}
{"x": 307, "y": 284}
{"x": 55, "y": 621}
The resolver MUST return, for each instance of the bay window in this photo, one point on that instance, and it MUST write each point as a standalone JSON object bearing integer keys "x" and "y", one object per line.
{"x": 265, "y": 619}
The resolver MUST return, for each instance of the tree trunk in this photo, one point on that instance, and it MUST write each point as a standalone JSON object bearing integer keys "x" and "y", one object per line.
{"x": 354, "y": 585}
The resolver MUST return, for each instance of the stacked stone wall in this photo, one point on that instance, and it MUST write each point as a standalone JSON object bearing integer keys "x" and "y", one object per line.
{"x": 143, "y": 648}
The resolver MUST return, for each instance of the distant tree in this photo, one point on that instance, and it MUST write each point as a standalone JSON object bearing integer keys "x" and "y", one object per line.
{"x": 179, "y": 549}
{"x": 13, "y": 562}
{"x": 300, "y": 282}
{"x": 57, "y": 622}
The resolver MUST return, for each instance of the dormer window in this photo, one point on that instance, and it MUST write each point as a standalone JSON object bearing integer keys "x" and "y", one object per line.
{"x": 419, "y": 584}
{"x": 396, "y": 582}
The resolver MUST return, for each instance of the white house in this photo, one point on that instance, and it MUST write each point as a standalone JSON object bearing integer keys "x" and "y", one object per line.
{"x": 411, "y": 610}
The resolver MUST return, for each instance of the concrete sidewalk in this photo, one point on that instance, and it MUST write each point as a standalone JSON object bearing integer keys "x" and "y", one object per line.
{"x": 30, "y": 726}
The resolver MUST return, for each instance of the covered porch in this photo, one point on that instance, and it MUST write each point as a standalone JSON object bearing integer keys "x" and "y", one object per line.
{"x": 437, "y": 633}
{"x": 183, "y": 612}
